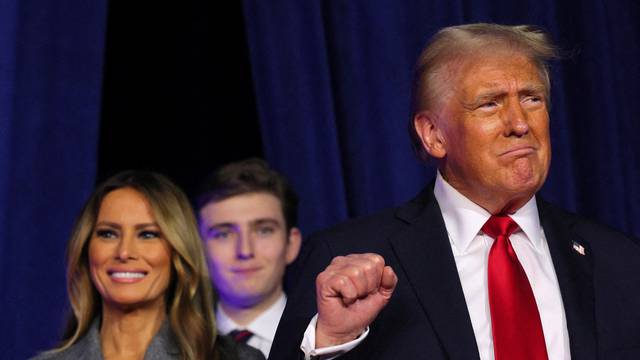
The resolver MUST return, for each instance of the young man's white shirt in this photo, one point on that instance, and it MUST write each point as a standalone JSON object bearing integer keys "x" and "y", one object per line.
{"x": 263, "y": 327}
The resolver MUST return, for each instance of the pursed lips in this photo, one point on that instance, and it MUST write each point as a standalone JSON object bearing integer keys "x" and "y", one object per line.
{"x": 521, "y": 150}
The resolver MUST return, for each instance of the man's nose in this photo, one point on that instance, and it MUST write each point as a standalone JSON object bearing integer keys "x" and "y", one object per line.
{"x": 516, "y": 119}
{"x": 244, "y": 245}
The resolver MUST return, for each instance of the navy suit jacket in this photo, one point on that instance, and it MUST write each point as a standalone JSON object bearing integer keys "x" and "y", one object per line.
{"x": 427, "y": 317}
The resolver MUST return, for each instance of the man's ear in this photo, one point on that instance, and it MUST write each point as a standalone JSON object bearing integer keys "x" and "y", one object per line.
{"x": 293, "y": 245}
{"x": 430, "y": 134}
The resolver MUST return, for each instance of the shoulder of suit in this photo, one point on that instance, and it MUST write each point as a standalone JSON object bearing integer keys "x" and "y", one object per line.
{"x": 77, "y": 351}
{"x": 374, "y": 226}
{"x": 589, "y": 230}
{"x": 365, "y": 229}
{"x": 87, "y": 347}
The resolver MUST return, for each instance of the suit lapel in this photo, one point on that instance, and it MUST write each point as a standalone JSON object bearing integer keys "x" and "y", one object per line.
{"x": 163, "y": 345}
{"x": 89, "y": 345}
{"x": 575, "y": 278}
{"x": 424, "y": 253}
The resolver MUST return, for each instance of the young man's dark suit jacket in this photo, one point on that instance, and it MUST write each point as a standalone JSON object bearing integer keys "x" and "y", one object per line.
{"x": 427, "y": 317}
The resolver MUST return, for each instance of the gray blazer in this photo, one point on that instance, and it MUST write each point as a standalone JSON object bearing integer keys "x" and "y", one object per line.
{"x": 162, "y": 347}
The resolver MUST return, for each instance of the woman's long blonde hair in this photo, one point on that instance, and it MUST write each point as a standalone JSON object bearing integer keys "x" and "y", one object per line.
{"x": 189, "y": 296}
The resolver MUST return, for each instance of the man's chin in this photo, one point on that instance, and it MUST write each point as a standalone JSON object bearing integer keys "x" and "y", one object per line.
{"x": 524, "y": 180}
{"x": 244, "y": 301}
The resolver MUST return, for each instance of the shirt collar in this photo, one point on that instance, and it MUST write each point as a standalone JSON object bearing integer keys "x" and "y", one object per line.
{"x": 463, "y": 218}
{"x": 263, "y": 326}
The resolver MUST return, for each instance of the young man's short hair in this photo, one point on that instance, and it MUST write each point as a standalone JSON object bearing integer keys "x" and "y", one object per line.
{"x": 249, "y": 176}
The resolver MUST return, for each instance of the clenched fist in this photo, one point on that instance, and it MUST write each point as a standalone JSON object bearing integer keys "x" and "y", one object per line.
{"x": 350, "y": 292}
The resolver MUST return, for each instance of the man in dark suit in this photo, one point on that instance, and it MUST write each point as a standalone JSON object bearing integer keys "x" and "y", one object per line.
{"x": 475, "y": 267}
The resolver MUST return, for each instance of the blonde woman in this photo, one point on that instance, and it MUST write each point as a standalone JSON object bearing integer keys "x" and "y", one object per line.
{"x": 137, "y": 279}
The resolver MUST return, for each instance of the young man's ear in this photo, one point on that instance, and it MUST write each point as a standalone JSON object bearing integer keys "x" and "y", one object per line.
{"x": 293, "y": 244}
{"x": 430, "y": 134}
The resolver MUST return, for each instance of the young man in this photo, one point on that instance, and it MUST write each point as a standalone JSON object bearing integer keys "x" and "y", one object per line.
{"x": 247, "y": 216}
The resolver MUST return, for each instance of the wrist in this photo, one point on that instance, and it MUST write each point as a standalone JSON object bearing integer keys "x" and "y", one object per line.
{"x": 326, "y": 338}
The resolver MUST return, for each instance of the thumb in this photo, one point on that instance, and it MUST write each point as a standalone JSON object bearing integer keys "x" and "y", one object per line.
{"x": 388, "y": 282}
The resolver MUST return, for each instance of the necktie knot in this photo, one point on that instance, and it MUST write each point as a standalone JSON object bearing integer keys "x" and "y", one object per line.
{"x": 241, "y": 336}
{"x": 500, "y": 225}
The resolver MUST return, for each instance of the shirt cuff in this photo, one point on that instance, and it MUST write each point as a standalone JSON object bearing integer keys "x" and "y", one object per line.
{"x": 308, "y": 345}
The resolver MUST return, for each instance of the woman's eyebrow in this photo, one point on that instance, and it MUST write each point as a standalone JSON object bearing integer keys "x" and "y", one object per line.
{"x": 146, "y": 225}
{"x": 109, "y": 224}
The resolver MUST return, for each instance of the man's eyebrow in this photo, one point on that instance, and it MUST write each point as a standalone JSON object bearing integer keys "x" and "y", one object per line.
{"x": 484, "y": 96}
{"x": 215, "y": 226}
{"x": 492, "y": 92}
{"x": 532, "y": 89}
{"x": 266, "y": 221}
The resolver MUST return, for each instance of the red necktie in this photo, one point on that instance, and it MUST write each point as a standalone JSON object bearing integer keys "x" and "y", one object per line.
{"x": 241, "y": 336}
{"x": 515, "y": 321}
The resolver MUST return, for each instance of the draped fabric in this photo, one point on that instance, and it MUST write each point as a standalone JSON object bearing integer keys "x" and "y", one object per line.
{"x": 333, "y": 83}
{"x": 50, "y": 78}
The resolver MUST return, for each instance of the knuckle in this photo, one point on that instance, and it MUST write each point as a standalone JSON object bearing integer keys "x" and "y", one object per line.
{"x": 321, "y": 280}
{"x": 355, "y": 257}
{"x": 355, "y": 272}
{"x": 341, "y": 281}
{"x": 338, "y": 259}
{"x": 376, "y": 259}
{"x": 321, "y": 277}
{"x": 369, "y": 267}
{"x": 325, "y": 276}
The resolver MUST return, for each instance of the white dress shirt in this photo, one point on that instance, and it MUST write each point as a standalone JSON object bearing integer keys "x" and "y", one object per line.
{"x": 470, "y": 246}
{"x": 263, "y": 327}
{"x": 463, "y": 220}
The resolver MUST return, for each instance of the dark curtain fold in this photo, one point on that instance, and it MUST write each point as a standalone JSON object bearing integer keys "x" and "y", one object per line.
{"x": 51, "y": 55}
{"x": 333, "y": 81}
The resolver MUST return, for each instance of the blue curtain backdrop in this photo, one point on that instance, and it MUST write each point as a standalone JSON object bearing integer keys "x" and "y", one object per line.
{"x": 51, "y": 55}
{"x": 333, "y": 82}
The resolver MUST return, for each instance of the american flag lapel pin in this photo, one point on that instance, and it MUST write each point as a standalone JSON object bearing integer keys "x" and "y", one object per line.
{"x": 578, "y": 248}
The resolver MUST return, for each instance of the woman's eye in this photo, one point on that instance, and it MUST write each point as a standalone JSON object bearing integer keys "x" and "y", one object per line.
{"x": 149, "y": 234}
{"x": 106, "y": 234}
